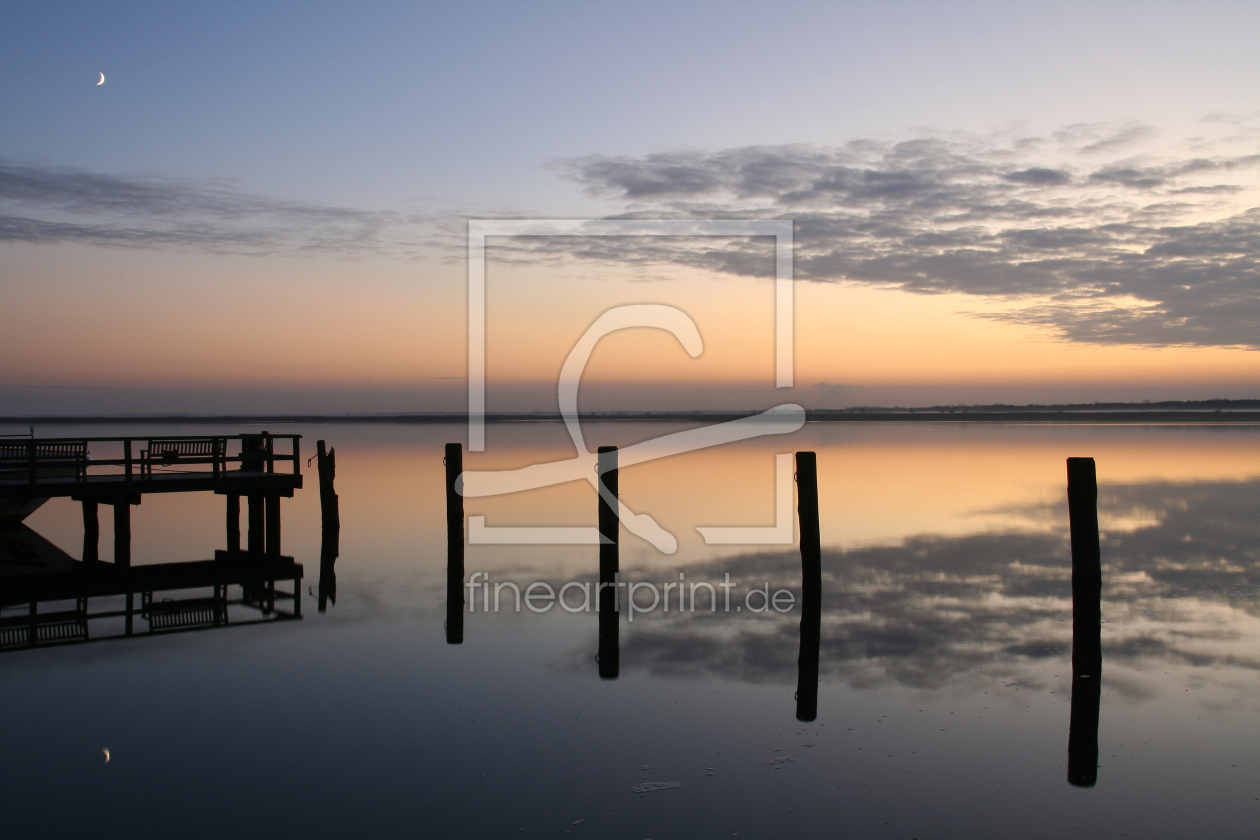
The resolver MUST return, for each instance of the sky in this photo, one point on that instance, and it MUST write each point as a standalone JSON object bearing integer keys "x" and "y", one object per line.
{"x": 264, "y": 207}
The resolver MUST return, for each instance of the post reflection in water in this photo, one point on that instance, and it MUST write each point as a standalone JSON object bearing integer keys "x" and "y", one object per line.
{"x": 1086, "y": 622}
{"x": 609, "y": 656}
{"x": 811, "y": 586}
{"x": 454, "y": 462}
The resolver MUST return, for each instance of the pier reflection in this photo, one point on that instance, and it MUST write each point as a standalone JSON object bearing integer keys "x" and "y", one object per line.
{"x": 49, "y": 598}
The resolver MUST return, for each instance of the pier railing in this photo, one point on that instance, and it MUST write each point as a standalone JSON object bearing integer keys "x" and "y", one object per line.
{"x": 57, "y": 459}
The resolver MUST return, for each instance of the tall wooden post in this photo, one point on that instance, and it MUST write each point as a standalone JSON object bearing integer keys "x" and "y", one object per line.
{"x": 233, "y": 523}
{"x": 122, "y": 533}
{"x": 91, "y": 532}
{"x": 811, "y": 586}
{"x": 454, "y": 462}
{"x": 326, "y": 466}
{"x": 609, "y": 526}
{"x": 330, "y": 520}
{"x": 271, "y": 505}
{"x": 1086, "y": 622}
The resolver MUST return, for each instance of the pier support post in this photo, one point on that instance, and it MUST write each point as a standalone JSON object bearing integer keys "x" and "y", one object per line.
{"x": 91, "y": 532}
{"x": 122, "y": 533}
{"x": 454, "y": 462}
{"x": 1086, "y": 622}
{"x": 257, "y": 518}
{"x": 233, "y": 523}
{"x": 272, "y": 507}
{"x": 811, "y": 586}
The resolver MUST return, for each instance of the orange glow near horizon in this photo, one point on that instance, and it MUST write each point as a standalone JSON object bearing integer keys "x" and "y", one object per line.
{"x": 179, "y": 320}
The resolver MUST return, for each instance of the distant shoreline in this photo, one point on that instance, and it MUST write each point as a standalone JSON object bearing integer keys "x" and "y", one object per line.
{"x": 1063, "y": 416}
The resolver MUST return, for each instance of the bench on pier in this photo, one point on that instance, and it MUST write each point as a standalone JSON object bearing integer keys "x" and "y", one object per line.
{"x": 185, "y": 451}
{"x": 51, "y": 459}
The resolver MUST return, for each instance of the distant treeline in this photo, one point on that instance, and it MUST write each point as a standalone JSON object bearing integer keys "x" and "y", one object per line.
{"x": 1145, "y": 405}
{"x": 1096, "y": 412}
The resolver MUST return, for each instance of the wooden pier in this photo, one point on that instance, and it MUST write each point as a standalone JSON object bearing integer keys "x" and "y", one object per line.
{"x": 33, "y": 571}
{"x": 35, "y": 470}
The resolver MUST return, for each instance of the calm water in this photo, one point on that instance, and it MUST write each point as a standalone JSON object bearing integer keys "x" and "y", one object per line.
{"x": 945, "y": 682}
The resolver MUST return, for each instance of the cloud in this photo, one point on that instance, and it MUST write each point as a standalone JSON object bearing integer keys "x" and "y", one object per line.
{"x": 1137, "y": 250}
{"x": 61, "y": 204}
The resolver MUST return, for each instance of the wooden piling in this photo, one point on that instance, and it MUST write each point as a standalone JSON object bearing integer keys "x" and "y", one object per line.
{"x": 454, "y": 461}
{"x": 122, "y": 533}
{"x": 1086, "y": 622}
{"x": 326, "y": 466}
{"x": 330, "y": 519}
{"x": 609, "y": 655}
{"x": 91, "y": 532}
{"x": 609, "y": 526}
{"x": 811, "y": 586}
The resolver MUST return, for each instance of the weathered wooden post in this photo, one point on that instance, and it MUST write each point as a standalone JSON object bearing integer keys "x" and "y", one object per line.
{"x": 91, "y": 532}
{"x": 326, "y": 462}
{"x": 1086, "y": 622}
{"x": 454, "y": 462}
{"x": 811, "y": 586}
{"x": 122, "y": 532}
{"x": 609, "y": 656}
{"x": 609, "y": 526}
{"x": 326, "y": 466}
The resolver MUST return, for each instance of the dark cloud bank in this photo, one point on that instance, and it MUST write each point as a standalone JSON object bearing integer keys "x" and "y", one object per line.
{"x": 1104, "y": 251}
{"x": 1075, "y": 232}
{"x": 50, "y": 205}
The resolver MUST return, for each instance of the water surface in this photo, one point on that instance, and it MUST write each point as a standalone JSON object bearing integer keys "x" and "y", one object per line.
{"x": 944, "y": 689}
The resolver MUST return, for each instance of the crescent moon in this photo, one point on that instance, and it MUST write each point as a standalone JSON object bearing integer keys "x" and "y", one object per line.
{"x": 106, "y": 751}
{"x": 102, "y": 81}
